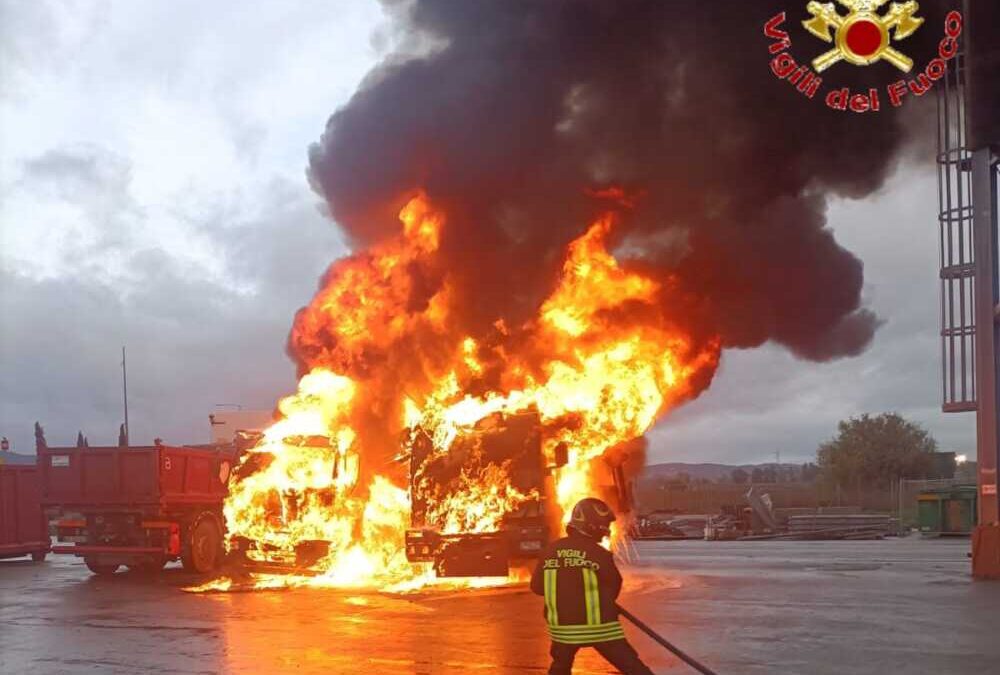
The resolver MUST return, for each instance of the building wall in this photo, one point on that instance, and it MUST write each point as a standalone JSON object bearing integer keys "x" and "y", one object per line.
{"x": 225, "y": 423}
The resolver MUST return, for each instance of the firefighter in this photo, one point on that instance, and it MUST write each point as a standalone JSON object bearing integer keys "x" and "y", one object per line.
{"x": 580, "y": 583}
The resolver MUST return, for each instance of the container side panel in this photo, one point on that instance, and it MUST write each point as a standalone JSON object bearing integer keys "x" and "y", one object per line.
{"x": 199, "y": 475}
{"x": 8, "y": 508}
{"x": 20, "y": 506}
{"x": 29, "y": 507}
{"x": 94, "y": 477}
{"x": 61, "y": 471}
{"x": 171, "y": 472}
{"x": 139, "y": 475}
{"x": 100, "y": 479}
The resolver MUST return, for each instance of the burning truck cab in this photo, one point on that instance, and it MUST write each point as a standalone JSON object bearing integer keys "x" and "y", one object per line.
{"x": 485, "y": 503}
{"x": 483, "y": 497}
{"x": 285, "y": 544}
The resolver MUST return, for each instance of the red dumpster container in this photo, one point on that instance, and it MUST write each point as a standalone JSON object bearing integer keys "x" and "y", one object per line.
{"x": 22, "y": 524}
{"x": 138, "y": 506}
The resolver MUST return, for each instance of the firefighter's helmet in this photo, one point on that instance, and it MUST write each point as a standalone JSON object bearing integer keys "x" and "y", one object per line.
{"x": 592, "y": 517}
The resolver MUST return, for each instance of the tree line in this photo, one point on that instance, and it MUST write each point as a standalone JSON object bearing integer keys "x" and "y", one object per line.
{"x": 868, "y": 452}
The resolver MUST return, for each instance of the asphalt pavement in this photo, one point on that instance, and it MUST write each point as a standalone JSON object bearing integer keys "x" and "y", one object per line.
{"x": 894, "y": 606}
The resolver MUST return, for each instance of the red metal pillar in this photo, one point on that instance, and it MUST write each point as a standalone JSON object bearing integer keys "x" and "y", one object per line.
{"x": 982, "y": 97}
{"x": 986, "y": 538}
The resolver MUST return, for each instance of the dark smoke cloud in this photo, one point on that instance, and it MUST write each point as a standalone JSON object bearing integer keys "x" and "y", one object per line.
{"x": 519, "y": 107}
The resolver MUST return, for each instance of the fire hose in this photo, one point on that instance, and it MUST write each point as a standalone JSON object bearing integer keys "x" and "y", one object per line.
{"x": 664, "y": 642}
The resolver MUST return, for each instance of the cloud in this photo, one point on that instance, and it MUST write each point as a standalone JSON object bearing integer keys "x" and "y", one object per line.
{"x": 192, "y": 341}
{"x": 71, "y": 210}
{"x": 152, "y": 193}
{"x": 766, "y": 400}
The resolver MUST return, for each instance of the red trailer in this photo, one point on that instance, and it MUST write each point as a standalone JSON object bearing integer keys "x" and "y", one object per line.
{"x": 139, "y": 506}
{"x": 22, "y": 523}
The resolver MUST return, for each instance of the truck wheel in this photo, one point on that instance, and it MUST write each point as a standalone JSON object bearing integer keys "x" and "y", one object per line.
{"x": 202, "y": 554}
{"x": 39, "y": 556}
{"x": 102, "y": 569}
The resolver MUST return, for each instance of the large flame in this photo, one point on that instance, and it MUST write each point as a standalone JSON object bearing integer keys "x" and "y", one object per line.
{"x": 599, "y": 365}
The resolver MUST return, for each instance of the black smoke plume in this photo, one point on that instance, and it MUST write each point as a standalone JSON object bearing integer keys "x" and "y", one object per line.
{"x": 516, "y": 111}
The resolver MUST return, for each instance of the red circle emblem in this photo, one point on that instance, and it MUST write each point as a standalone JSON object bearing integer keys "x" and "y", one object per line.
{"x": 864, "y": 38}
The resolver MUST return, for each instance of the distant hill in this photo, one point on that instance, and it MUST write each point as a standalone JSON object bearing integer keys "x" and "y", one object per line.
{"x": 15, "y": 458}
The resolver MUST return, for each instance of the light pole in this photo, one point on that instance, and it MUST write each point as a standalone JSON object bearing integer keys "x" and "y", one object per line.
{"x": 125, "y": 395}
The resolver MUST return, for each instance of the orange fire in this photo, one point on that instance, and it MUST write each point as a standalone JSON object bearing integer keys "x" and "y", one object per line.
{"x": 599, "y": 365}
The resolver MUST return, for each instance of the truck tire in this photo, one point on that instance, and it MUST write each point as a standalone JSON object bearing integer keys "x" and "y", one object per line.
{"x": 203, "y": 552}
{"x": 101, "y": 569}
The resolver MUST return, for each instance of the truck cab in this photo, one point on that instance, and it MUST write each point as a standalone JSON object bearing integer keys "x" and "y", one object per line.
{"x": 508, "y": 442}
{"x": 285, "y": 507}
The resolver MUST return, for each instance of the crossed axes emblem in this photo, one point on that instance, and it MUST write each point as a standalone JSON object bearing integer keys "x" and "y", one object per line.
{"x": 862, "y": 36}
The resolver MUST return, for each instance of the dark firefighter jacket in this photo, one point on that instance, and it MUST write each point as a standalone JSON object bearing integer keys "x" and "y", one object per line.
{"x": 580, "y": 583}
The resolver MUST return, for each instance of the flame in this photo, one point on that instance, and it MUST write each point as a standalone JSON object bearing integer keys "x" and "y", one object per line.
{"x": 477, "y": 502}
{"x": 598, "y": 366}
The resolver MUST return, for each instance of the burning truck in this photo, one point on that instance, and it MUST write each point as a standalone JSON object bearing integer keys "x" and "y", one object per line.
{"x": 500, "y": 434}
{"x": 286, "y": 550}
{"x": 480, "y": 506}
{"x": 488, "y": 504}
{"x": 498, "y": 471}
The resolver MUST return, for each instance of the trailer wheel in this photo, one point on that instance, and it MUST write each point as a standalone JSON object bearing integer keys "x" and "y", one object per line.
{"x": 39, "y": 556}
{"x": 102, "y": 569}
{"x": 202, "y": 553}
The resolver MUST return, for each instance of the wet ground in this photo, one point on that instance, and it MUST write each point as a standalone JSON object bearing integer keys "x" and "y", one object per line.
{"x": 895, "y": 606}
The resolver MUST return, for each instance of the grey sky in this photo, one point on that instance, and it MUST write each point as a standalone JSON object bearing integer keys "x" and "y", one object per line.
{"x": 764, "y": 401}
{"x": 152, "y": 193}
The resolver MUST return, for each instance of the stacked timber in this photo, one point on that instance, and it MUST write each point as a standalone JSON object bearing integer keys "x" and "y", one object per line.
{"x": 813, "y": 523}
{"x": 824, "y": 527}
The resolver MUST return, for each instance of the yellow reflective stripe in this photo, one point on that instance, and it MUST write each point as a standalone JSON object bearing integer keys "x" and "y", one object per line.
{"x": 591, "y": 597}
{"x": 552, "y": 613}
{"x": 588, "y": 630}
{"x": 587, "y": 641}
{"x": 548, "y": 590}
{"x": 582, "y": 634}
